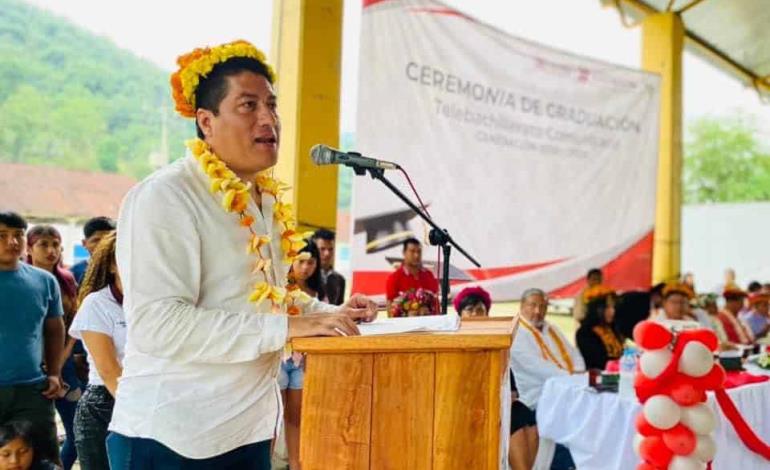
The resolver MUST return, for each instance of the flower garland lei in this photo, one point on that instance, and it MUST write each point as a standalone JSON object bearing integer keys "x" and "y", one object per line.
{"x": 611, "y": 343}
{"x": 235, "y": 198}
{"x": 596, "y": 292}
{"x": 566, "y": 360}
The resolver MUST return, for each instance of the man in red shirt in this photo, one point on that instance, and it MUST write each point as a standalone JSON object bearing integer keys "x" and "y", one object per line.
{"x": 411, "y": 274}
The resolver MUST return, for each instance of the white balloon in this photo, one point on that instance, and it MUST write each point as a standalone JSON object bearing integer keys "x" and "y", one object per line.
{"x": 653, "y": 362}
{"x": 696, "y": 360}
{"x": 638, "y": 438}
{"x": 685, "y": 463}
{"x": 699, "y": 418}
{"x": 705, "y": 449}
{"x": 662, "y": 412}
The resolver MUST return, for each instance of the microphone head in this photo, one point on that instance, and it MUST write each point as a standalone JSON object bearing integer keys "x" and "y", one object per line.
{"x": 322, "y": 154}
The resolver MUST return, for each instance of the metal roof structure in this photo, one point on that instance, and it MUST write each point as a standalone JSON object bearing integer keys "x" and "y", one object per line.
{"x": 734, "y": 35}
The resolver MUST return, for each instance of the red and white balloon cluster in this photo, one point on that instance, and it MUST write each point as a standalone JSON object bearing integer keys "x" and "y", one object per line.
{"x": 674, "y": 372}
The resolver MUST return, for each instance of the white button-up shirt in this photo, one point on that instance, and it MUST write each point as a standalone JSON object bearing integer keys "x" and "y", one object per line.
{"x": 201, "y": 362}
{"x": 531, "y": 369}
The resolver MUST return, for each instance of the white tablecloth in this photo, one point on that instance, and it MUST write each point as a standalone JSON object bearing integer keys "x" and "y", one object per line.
{"x": 599, "y": 428}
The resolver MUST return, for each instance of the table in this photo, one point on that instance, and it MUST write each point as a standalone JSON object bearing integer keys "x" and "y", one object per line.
{"x": 599, "y": 428}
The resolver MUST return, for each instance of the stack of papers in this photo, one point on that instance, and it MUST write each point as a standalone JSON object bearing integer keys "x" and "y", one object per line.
{"x": 388, "y": 326}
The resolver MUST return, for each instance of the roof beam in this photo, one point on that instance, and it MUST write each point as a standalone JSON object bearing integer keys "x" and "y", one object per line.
{"x": 688, "y": 6}
{"x": 701, "y": 46}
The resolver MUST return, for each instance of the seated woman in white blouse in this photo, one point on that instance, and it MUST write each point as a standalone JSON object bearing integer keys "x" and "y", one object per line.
{"x": 101, "y": 324}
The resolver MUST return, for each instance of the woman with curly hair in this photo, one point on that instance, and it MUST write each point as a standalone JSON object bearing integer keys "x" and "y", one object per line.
{"x": 101, "y": 324}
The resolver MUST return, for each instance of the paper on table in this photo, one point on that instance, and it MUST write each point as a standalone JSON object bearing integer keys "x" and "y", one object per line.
{"x": 386, "y": 326}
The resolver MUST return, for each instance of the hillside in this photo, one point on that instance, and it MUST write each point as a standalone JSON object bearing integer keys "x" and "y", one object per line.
{"x": 75, "y": 100}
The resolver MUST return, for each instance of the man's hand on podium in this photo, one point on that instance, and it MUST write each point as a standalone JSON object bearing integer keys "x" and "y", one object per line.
{"x": 322, "y": 324}
{"x": 342, "y": 323}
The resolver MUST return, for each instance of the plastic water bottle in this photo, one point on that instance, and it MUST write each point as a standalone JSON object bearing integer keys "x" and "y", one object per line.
{"x": 627, "y": 371}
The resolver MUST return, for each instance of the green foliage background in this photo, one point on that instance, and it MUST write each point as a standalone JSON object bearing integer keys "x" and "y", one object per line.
{"x": 71, "y": 99}
{"x": 725, "y": 161}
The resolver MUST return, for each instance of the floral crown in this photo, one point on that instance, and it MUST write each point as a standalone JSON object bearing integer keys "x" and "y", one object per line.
{"x": 678, "y": 288}
{"x": 597, "y": 292}
{"x": 197, "y": 64}
{"x": 733, "y": 292}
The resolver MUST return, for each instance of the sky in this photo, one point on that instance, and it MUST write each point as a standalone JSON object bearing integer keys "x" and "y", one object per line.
{"x": 160, "y": 30}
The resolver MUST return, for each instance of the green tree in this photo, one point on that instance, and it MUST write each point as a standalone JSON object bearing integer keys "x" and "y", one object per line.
{"x": 25, "y": 109}
{"x": 724, "y": 161}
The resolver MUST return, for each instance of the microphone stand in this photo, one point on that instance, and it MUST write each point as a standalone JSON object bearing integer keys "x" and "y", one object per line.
{"x": 437, "y": 236}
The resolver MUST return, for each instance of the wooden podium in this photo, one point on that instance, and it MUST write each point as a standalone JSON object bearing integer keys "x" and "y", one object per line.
{"x": 417, "y": 401}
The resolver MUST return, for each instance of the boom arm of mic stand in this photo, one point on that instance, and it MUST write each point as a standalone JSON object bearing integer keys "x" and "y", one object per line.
{"x": 443, "y": 237}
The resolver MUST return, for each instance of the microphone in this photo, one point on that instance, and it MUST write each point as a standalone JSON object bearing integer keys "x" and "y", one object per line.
{"x": 325, "y": 155}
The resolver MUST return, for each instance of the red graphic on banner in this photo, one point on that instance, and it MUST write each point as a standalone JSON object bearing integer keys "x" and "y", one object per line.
{"x": 442, "y": 11}
{"x": 368, "y": 3}
{"x": 483, "y": 274}
{"x": 631, "y": 270}
{"x": 433, "y": 10}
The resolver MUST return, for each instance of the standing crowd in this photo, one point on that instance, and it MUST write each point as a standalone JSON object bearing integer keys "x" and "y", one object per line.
{"x": 43, "y": 364}
{"x": 62, "y": 348}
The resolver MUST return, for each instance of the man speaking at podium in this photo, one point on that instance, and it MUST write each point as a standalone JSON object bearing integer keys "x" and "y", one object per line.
{"x": 203, "y": 249}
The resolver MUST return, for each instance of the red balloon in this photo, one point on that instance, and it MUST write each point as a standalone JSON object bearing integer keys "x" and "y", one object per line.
{"x": 714, "y": 380}
{"x": 707, "y": 337}
{"x": 655, "y": 452}
{"x": 645, "y": 428}
{"x": 684, "y": 392}
{"x": 680, "y": 439}
{"x": 652, "y": 335}
{"x": 644, "y": 387}
{"x": 645, "y": 466}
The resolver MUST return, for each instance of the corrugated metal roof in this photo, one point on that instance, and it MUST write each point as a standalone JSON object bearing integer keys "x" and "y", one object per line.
{"x": 48, "y": 192}
{"x": 732, "y": 34}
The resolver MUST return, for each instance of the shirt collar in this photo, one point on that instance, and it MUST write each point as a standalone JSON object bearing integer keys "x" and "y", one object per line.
{"x": 406, "y": 271}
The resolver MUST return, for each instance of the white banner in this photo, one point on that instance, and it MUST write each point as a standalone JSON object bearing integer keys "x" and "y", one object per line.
{"x": 540, "y": 163}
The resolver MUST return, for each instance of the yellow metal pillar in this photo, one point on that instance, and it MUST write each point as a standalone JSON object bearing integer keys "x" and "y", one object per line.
{"x": 307, "y": 53}
{"x": 662, "y": 41}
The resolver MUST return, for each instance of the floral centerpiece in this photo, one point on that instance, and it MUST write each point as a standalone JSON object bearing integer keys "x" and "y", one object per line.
{"x": 414, "y": 303}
